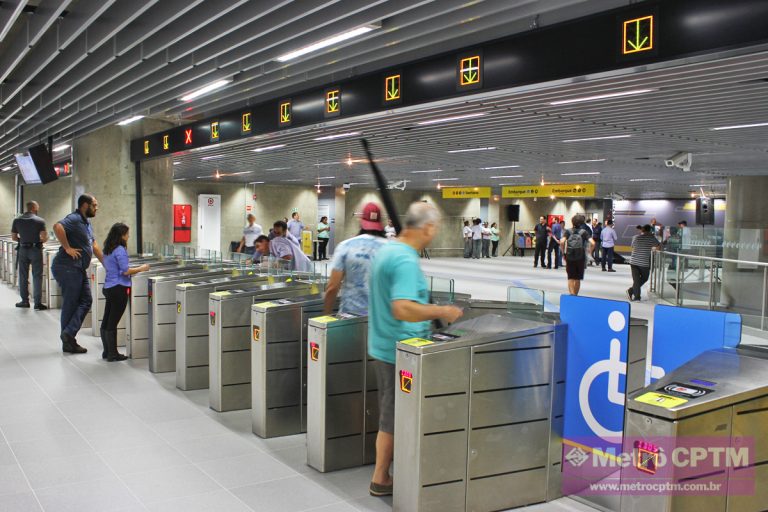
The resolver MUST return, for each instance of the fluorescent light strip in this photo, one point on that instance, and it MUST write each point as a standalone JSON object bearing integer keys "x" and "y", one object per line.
{"x": 327, "y": 177}
{"x": 582, "y": 161}
{"x": 446, "y": 179}
{"x": 268, "y": 148}
{"x": 129, "y": 120}
{"x": 211, "y": 157}
{"x": 489, "y": 148}
{"x": 579, "y": 173}
{"x": 501, "y": 177}
{"x": 643, "y": 179}
{"x": 278, "y": 169}
{"x": 176, "y": 163}
{"x": 6, "y": 168}
{"x": 431, "y": 170}
{"x": 449, "y": 119}
{"x": 337, "y": 136}
{"x": 218, "y": 84}
{"x": 327, "y": 163}
{"x": 499, "y": 167}
{"x": 606, "y": 96}
{"x": 607, "y": 137}
{"x": 60, "y": 147}
{"x": 326, "y": 43}
{"x": 255, "y": 182}
{"x": 738, "y": 126}
{"x": 291, "y": 180}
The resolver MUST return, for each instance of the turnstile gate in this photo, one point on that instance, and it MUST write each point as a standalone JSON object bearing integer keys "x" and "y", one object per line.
{"x": 163, "y": 312}
{"x": 192, "y": 325}
{"x": 342, "y": 399}
{"x": 721, "y": 394}
{"x": 479, "y": 412}
{"x": 229, "y": 335}
{"x": 279, "y": 364}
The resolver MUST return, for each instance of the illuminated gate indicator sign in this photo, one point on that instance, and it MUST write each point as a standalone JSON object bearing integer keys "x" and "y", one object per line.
{"x": 165, "y": 142}
{"x": 637, "y": 35}
{"x": 314, "y": 351}
{"x": 214, "y": 131}
{"x": 406, "y": 381}
{"x": 392, "y": 90}
{"x": 146, "y": 147}
{"x": 256, "y": 333}
{"x": 246, "y": 125}
{"x": 188, "y": 136}
{"x": 469, "y": 70}
{"x": 332, "y": 101}
{"x": 285, "y": 112}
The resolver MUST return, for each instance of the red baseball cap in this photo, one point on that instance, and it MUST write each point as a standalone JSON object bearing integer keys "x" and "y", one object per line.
{"x": 371, "y": 219}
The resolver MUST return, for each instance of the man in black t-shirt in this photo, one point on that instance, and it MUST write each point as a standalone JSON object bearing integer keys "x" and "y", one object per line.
{"x": 542, "y": 236}
{"x": 576, "y": 244}
{"x": 29, "y": 231}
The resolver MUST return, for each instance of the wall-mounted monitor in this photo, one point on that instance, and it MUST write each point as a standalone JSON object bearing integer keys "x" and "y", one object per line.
{"x": 36, "y": 165}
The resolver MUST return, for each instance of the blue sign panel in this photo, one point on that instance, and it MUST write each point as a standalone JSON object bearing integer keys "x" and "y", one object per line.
{"x": 680, "y": 334}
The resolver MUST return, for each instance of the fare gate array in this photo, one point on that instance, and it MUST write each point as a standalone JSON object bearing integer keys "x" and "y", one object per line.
{"x": 721, "y": 394}
{"x": 342, "y": 394}
{"x": 163, "y": 312}
{"x": 479, "y": 410}
{"x": 192, "y": 350}
{"x": 279, "y": 364}
{"x": 229, "y": 334}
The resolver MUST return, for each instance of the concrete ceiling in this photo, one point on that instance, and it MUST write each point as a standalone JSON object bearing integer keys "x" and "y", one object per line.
{"x": 529, "y": 135}
{"x": 68, "y": 67}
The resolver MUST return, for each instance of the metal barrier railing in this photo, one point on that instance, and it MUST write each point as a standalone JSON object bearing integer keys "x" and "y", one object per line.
{"x": 717, "y": 284}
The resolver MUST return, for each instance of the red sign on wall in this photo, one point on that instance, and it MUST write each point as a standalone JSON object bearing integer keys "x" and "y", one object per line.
{"x": 182, "y": 223}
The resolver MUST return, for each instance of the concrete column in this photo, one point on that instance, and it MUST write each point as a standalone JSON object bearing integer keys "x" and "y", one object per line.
{"x": 744, "y": 238}
{"x": 102, "y": 167}
{"x": 7, "y": 200}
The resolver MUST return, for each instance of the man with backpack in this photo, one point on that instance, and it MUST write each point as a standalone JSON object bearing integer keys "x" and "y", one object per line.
{"x": 576, "y": 243}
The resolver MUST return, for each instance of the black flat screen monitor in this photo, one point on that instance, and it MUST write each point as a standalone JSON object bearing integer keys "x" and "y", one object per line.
{"x": 36, "y": 165}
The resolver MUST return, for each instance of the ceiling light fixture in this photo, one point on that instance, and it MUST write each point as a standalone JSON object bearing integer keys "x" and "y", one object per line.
{"x": 738, "y": 126}
{"x": 445, "y": 179}
{"x": 278, "y": 169}
{"x": 60, "y": 147}
{"x": 501, "y": 177}
{"x": 430, "y": 170}
{"x": 582, "y": 161}
{"x": 255, "y": 182}
{"x": 337, "y": 136}
{"x": 449, "y": 119}
{"x": 607, "y": 137}
{"x": 499, "y": 167}
{"x": 211, "y": 157}
{"x": 606, "y": 96}
{"x": 326, "y": 177}
{"x": 129, "y": 120}
{"x": 6, "y": 168}
{"x": 325, "y": 43}
{"x": 218, "y": 84}
{"x": 291, "y": 180}
{"x": 579, "y": 173}
{"x": 176, "y": 163}
{"x": 268, "y": 148}
{"x": 642, "y": 179}
{"x": 489, "y": 148}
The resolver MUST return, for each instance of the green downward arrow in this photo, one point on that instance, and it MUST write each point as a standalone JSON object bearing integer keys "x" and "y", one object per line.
{"x": 637, "y": 43}
{"x": 332, "y": 105}
{"x": 470, "y": 76}
{"x": 393, "y": 90}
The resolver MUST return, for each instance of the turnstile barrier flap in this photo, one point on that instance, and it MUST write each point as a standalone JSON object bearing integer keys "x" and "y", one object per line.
{"x": 336, "y": 320}
{"x": 285, "y": 302}
{"x": 713, "y": 380}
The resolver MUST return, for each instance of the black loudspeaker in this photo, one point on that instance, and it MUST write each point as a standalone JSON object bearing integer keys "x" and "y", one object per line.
{"x": 705, "y": 211}
{"x": 513, "y": 213}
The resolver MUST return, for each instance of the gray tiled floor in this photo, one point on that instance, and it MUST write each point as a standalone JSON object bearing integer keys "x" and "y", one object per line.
{"x": 80, "y": 434}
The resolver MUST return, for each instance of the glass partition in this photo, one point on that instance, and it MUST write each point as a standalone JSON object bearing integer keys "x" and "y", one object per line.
{"x": 441, "y": 290}
{"x": 524, "y": 299}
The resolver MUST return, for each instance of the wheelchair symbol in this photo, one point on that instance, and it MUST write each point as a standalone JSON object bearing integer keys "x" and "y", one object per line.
{"x": 614, "y": 367}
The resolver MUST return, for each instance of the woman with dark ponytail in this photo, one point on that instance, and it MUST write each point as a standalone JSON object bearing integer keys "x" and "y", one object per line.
{"x": 117, "y": 287}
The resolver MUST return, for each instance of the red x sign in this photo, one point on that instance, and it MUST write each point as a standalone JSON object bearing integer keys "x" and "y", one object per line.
{"x": 188, "y": 136}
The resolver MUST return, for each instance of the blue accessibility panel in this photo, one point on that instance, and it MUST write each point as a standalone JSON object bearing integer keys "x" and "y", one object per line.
{"x": 598, "y": 333}
{"x": 680, "y": 334}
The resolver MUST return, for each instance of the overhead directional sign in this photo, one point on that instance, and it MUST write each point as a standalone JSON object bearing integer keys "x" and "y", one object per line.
{"x": 392, "y": 88}
{"x": 146, "y": 147}
{"x": 466, "y": 192}
{"x": 165, "y": 142}
{"x": 470, "y": 73}
{"x": 575, "y": 190}
{"x": 285, "y": 113}
{"x": 332, "y": 102}
{"x": 246, "y": 126}
{"x": 214, "y": 131}
{"x": 637, "y": 35}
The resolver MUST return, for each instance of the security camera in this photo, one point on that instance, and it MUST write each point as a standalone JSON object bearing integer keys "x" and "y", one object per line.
{"x": 681, "y": 160}
{"x": 347, "y": 186}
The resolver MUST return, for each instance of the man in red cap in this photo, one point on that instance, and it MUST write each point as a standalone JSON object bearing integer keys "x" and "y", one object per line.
{"x": 351, "y": 265}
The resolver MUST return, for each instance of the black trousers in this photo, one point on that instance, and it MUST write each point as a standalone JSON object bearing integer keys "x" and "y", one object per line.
{"x": 541, "y": 251}
{"x": 323, "y": 246}
{"x": 494, "y": 248}
{"x": 640, "y": 276}
{"x": 31, "y": 257}
{"x": 608, "y": 257}
{"x": 553, "y": 247}
{"x": 117, "y": 300}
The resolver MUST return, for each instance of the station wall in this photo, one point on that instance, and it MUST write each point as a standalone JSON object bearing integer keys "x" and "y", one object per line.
{"x": 55, "y": 200}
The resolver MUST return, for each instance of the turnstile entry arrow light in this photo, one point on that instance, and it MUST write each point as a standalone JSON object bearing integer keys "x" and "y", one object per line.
{"x": 246, "y": 125}
{"x": 637, "y": 35}
{"x": 392, "y": 88}
{"x": 469, "y": 69}
{"x": 332, "y": 103}
{"x": 285, "y": 113}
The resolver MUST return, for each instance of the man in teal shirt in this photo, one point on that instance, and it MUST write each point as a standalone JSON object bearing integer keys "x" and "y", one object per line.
{"x": 399, "y": 309}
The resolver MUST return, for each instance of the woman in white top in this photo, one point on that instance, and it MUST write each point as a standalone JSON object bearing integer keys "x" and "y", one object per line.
{"x": 467, "y": 235}
{"x": 477, "y": 239}
{"x": 486, "y": 238}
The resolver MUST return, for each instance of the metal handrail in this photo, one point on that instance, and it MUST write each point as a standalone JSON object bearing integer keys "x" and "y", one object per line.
{"x": 709, "y": 258}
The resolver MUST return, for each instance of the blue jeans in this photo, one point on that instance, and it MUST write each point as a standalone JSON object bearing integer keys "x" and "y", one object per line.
{"x": 31, "y": 257}
{"x": 76, "y": 297}
{"x": 608, "y": 257}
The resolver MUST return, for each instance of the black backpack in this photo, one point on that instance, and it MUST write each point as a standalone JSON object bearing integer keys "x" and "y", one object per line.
{"x": 574, "y": 246}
